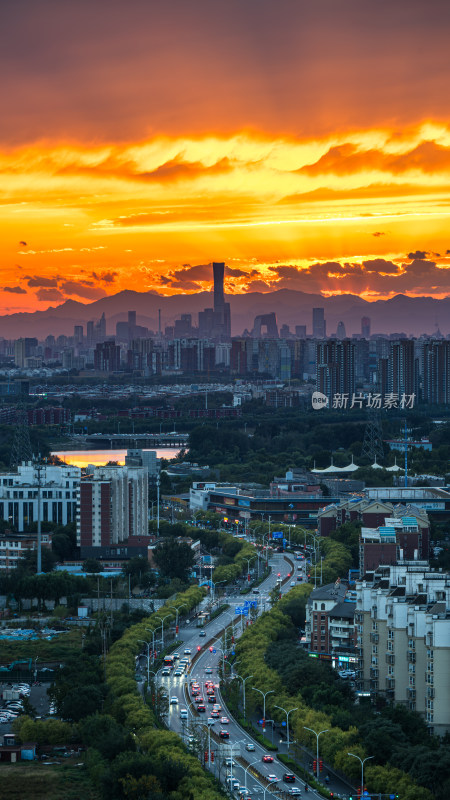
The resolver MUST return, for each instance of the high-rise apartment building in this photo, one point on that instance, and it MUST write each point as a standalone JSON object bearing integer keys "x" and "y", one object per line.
{"x": 402, "y": 620}
{"x": 436, "y": 372}
{"x": 319, "y": 324}
{"x": 335, "y": 367}
{"x": 401, "y": 367}
{"x": 107, "y": 357}
{"x": 113, "y": 507}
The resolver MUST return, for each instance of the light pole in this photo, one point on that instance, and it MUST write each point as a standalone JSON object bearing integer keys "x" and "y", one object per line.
{"x": 264, "y": 694}
{"x": 177, "y": 610}
{"x": 247, "y": 769}
{"x": 317, "y": 750}
{"x": 287, "y": 720}
{"x": 162, "y": 626}
{"x": 153, "y": 639}
{"x": 362, "y": 767}
{"x": 243, "y": 686}
{"x": 148, "y": 659}
{"x": 158, "y": 483}
{"x": 248, "y": 566}
{"x": 266, "y": 787}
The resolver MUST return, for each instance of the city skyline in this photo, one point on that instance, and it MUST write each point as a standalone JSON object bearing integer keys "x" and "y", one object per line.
{"x": 165, "y": 138}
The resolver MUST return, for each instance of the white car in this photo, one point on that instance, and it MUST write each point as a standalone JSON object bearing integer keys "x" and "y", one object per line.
{"x": 174, "y": 701}
{"x": 184, "y": 713}
{"x": 250, "y": 747}
{"x": 187, "y": 651}
{"x": 272, "y": 778}
{"x": 294, "y": 791}
{"x": 211, "y": 721}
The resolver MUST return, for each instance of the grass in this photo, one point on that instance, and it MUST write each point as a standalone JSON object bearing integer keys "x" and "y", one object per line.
{"x": 36, "y": 781}
{"x": 59, "y": 649}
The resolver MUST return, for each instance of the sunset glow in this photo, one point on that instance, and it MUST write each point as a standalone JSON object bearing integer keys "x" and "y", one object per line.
{"x": 145, "y": 155}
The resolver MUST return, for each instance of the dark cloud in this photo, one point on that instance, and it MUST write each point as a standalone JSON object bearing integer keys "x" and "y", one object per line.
{"x": 107, "y": 277}
{"x": 38, "y": 280}
{"x": 49, "y": 294}
{"x": 231, "y": 272}
{"x": 418, "y": 254}
{"x": 380, "y": 265}
{"x": 82, "y": 289}
{"x": 23, "y": 244}
{"x": 346, "y": 159}
{"x": 14, "y": 289}
{"x": 378, "y": 233}
{"x": 177, "y": 168}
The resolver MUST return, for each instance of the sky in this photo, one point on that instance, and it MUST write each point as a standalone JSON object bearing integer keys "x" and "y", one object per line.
{"x": 307, "y": 145}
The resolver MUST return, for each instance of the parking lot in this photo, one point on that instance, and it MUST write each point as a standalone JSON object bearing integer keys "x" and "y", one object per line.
{"x": 37, "y": 697}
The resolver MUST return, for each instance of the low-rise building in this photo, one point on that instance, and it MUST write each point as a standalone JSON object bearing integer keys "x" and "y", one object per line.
{"x": 58, "y": 487}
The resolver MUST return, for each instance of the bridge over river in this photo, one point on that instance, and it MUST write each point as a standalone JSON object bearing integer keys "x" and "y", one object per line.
{"x": 143, "y": 441}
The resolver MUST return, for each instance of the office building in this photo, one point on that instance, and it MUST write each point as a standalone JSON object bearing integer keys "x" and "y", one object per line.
{"x": 319, "y": 324}
{"x": 340, "y": 331}
{"x": 59, "y": 492}
{"x": 365, "y": 327}
{"x": 402, "y": 620}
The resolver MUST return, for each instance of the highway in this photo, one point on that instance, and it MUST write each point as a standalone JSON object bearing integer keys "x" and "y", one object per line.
{"x": 255, "y": 777}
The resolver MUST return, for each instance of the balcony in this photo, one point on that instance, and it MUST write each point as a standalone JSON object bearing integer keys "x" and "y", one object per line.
{"x": 411, "y": 657}
{"x": 374, "y": 672}
{"x": 374, "y": 638}
{"x": 390, "y": 658}
{"x": 430, "y": 692}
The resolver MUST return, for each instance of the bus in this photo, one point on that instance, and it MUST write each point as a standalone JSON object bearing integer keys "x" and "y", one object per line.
{"x": 169, "y": 661}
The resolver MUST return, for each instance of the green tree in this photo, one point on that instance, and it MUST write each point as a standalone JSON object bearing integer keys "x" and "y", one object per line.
{"x": 92, "y": 565}
{"x": 174, "y": 559}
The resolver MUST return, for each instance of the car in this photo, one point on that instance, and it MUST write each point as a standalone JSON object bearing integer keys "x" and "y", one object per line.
{"x": 165, "y": 671}
{"x": 187, "y": 651}
{"x": 212, "y": 698}
{"x": 208, "y": 671}
{"x": 233, "y": 783}
{"x": 267, "y": 759}
{"x": 201, "y": 709}
{"x": 250, "y": 747}
{"x": 202, "y": 634}
{"x": 215, "y": 714}
{"x": 272, "y": 778}
{"x": 184, "y": 713}
{"x": 173, "y": 700}
{"x": 175, "y": 656}
{"x": 224, "y": 720}
{"x": 294, "y": 790}
{"x": 243, "y": 792}
{"x": 229, "y": 762}
{"x": 199, "y": 700}
{"x": 178, "y": 672}
{"x": 224, "y": 734}
{"x": 292, "y": 583}
{"x": 255, "y": 591}
{"x": 288, "y": 777}
{"x": 210, "y": 721}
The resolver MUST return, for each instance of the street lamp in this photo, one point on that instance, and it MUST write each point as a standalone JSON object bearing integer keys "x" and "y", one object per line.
{"x": 247, "y": 769}
{"x": 158, "y": 483}
{"x": 148, "y": 658}
{"x": 264, "y": 694}
{"x": 362, "y": 767}
{"x": 243, "y": 685}
{"x": 162, "y": 626}
{"x": 266, "y": 787}
{"x": 287, "y": 720}
{"x": 150, "y": 630}
{"x": 317, "y": 750}
{"x": 177, "y": 610}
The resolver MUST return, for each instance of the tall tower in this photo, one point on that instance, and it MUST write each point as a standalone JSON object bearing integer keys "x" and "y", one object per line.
{"x": 222, "y": 315}
{"x": 218, "y": 272}
{"x": 319, "y": 324}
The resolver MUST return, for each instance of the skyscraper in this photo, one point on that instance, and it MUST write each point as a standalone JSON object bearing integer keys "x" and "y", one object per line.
{"x": 218, "y": 272}
{"x": 365, "y": 327}
{"x": 319, "y": 324}
{"x": 340, "y": 330}
{"x": 222, "y": 317}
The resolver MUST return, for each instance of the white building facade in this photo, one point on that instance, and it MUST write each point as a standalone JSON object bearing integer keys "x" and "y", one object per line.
{"x": 58, "y": 486}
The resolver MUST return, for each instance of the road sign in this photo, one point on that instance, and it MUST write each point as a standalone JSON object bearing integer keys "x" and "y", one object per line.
{"x": 214, "y": 650}
{"x": 284, "y": 723}
{"x": 277, "y": 534}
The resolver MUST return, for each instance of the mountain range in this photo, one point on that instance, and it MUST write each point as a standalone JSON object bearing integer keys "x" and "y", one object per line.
{"x": 400, "y": 314}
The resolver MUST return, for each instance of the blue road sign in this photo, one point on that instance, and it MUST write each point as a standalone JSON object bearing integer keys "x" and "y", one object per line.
{"x": 277, "y": 534}
{"x": 284, "y": 724}
{"x": 214, "y": 650}
{"x": 238, "y": 610}
{"x": 253, "y": 603}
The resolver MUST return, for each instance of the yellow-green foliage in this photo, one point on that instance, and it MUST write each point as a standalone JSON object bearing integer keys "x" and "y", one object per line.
{"x": 130, "y": 710}
{"x": 334, "y": 746}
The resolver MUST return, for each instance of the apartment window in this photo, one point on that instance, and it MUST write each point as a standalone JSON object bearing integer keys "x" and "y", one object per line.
{"x": 430, "y": 654}
{"x": 390, "y": 634}
{"x": 374, "y": 649}
{"x": 430, "y": 716}
{"x": 430, "y": 666}
{"x": 374, "y": 626}
{"x": 390, "y": 647}
{"x": 411, "y": 668}
{"x": 412, "y": 680}
{"x": 322, "y": 607}
{"x": 391, "y": 670}
{"x": 430, "y": 705}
